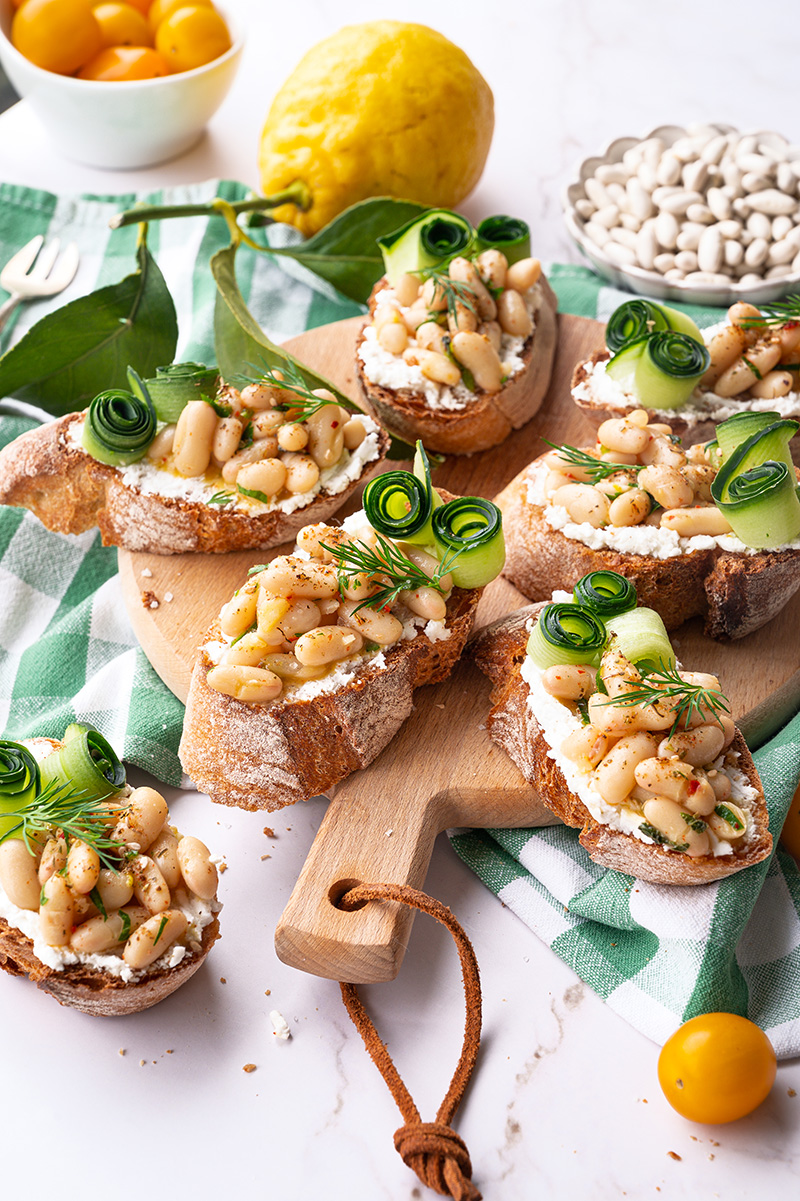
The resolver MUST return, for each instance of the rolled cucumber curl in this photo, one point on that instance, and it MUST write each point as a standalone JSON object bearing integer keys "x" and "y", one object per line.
{"x": 641, "y": 636}
{"x": 566, "y": 633}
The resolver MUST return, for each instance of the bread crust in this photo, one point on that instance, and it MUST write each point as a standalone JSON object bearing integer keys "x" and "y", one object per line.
{"x": 490, "y": 417}
{"x": 91, "y": 990}
{"x": 499, "y": 650}
{"x": 268, "y": 756}
{"x": 71, "y": 492}
{"x": 735, "y": 593}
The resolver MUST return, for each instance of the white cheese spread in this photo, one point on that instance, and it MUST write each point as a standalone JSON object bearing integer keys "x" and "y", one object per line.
{"x": 392, "y": 371}
{"x": 151, "y": 480}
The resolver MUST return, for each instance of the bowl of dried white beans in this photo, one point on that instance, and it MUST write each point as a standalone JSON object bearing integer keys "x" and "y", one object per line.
{"x": 704, "y": 214}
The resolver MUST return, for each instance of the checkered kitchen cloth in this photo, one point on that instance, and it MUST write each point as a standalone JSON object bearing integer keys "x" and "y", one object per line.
{"x": 67, "y": 652}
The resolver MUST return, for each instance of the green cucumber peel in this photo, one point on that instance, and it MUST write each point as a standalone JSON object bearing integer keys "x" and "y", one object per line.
{"x": 743, "y": 426}
{"x": 435, "y": 237}
{"x": 639, "y": 318}
{"x": 606, "y": 593}
{"x": 756, "y": 488}
{"x": 86, "y": 762}
{"x": 668, "y": 369}
{"x": 566, "y": 633}
{"x": 468, "y": 531}
{"x": 642, "y": 638}
{"x": 172, "y": 387}
{"x": 118, "y": 428}
{"x": 510, "y": 235}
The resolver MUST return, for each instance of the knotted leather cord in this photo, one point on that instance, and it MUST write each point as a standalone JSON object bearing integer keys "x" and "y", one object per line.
{"x": 432, "y": 1149}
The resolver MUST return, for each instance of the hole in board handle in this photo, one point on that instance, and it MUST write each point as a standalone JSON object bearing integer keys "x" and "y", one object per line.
{"x": 337, "y": 891}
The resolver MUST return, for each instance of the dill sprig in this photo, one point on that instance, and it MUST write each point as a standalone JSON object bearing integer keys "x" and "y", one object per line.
{"x": 289, "y": 379}
{"x": 776, "y": 313}
{"x": 69, "y": 809}
{"x": 395, "y": 571}
{"x": 664, "y": 683}
{"x": 453, "y": 291}
{"x": 596, "y": 469}
{"x": 221, "y": 498}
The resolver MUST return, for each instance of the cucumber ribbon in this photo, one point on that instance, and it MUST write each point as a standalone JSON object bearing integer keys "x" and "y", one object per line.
{"x": 606, "y": 593}
{"x": 642, "y": 638}
{"x": 661, "y": 369}
{"x": 19, "y": 781}
{"x": 510, "y": 235}
{"x": 637, "y": 319}
{"x": 566, "y": 633}
{"x": 756, "y": 487}
{"x": 118, "y": 428}
{"x": 172, "y": 387}
{"x": 86, "y": 762}
{"x": 437, "y": 236}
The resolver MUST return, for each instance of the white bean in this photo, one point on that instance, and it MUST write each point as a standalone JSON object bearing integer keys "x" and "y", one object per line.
{"x": 18, "y": 874}
{"x": 154, "y": 937}
{"x": 196, "y": 867}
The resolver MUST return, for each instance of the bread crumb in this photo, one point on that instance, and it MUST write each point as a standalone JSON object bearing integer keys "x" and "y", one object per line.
{"x": 268, "y": 992}
{"x": 147, "y": 573}
{"x": 222, "y": 980}
{"x": 263, "y": 857}
{"x": 121, "y": 1051}
{"x": 674, "y": 1155}
{"x": 280, "y": 1027}
{"x": 389, "y": 833}
{"x": 149, "y": 600}
{"x": 222, "y": 867}
{"x": 440, "y": 706}
{"x": 714, "y": 1143}
{"x": 249, "y": 1067}
{"x": 269, "y": 832}
{"x": 711, "y": 1156}
{"x": 141, "y": 1063}
{"x": 168, "y": 597}
{"x": 170, "y": 1051}
{"x": 791, "y": 1092}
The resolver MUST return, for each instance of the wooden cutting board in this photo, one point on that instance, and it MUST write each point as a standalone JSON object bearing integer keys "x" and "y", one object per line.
{"x": 441, "y": 770}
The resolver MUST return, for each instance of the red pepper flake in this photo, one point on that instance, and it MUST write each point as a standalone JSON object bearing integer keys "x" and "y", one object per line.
{"x": 334, "y": 425}
{"x": 674, "y": 1155}
{"x": 693, "y": 786}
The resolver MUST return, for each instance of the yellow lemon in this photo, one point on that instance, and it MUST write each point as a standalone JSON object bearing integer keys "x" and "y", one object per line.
{"x": 385, "y": 108}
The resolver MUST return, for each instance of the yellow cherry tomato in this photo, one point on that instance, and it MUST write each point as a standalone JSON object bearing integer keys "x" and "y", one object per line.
{"x": 57, "y": 35}
{"x": 122, "y": 63}
{"x": 159, "y": 9}
{"x": 142, "y": 6}
{"x": 790, "y": 834}
{"x": 191, "y": 37}
{"x": 122, "y": 25}
{"x": 716, "y": 1068}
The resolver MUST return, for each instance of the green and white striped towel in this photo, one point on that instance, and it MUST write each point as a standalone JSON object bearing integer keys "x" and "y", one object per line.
{"x": 67, "y": 652}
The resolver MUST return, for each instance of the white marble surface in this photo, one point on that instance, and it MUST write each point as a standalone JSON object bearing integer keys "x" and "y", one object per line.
{"x": 565, "y": 1101}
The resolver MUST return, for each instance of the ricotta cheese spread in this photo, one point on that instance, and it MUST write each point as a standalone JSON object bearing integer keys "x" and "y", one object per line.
{"x": 557, "y": 722}
{"x": 151, "y": 480}
{"x": 703, "y": 404}
{"x": 392, "y": 371}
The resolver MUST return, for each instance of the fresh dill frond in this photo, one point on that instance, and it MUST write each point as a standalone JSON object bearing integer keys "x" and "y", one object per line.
{"x": 221, "y": 499}
{"x": 69, "y": 809}
{"x": 454, "y": 292}
{"x": 288, "y": 378}
{"x": 596, "y": 469}
{"x": 396, "y": 573}
{"x": 775, "y": 313}
{"x": 690, "y": 700}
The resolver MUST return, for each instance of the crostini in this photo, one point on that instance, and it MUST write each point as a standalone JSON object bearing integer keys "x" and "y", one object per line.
{"x": 695, "y": 530}
{"x": 457, "y": 350}
{"x": 753, "y": 359}
{"x": 226, "y": 471}
{"x": 619, "y": 741}
{"x": 311, "y": 667}
{"x": 103, "y": 903}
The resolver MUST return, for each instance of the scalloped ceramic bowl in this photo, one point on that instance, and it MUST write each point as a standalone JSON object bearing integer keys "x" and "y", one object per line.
{"x": 121, "y": 126}
{"x": 650, "y": 283}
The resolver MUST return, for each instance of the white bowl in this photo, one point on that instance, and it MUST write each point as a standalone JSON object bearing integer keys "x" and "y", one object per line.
{"x": 650, "y": 283}
{"x": 121, "y": 125}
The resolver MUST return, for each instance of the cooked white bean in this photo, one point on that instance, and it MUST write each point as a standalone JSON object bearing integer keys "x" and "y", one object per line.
{"x": 292, "y": 436}
{"x": 325, "y": 439}
{"x": 164, "y": 853}
{"x": 393, "y": 336}
{"x": 568, "y": 681}
{"x": 493, "y": 265}
{"x": 302, "y": 472}
{"x": 618, "y": 433}
{"x": 461, "y": 319}
{"x": 265, "y": 448}
{"x": 434, "y": 366}
{"x": 630, "y": 508}
{"x": 115, "y": 888}
{"x": 149, "y": 886}
{"x": 720, "y": 781}
{"x": 524, "y": 274}
{"x": 267, "y": 477}
{"x": 253, "y": 684}
{"x": 666, "y": 817}
{"x": 99, "y": 934}
{"x": 586, "y": 747}
{"x": 262, "y": 396}
{"x": 327, "y": 644}
{"x": 723, "y": 827}
{"x": 745, "y": 371}
{"x": 667, "y": 485}
{"x": 154, "y": 937}
{"x": 406, "y": 289}
{"x": 302, "y": 615}
{"x": 385, "y": 315}
{"x": 513, "y": 315}
{"x": 615, "y": 777}
{"x": 194, "y": 438}
{"x": 18, "y": 874}
{"x": 287, "y": 668}
{"x": 430, "y": 336}
{"x": 161, "y": 446}
{"x": 226, "y": 439}
{"x": 699, "y": 746}
{"x": 464, "y": 271}
{"x": 353, "y": 433}
{"x": 57, "y": 912}
{"x": 373, "y": 624}
{"x": 239, "y": 613}
{"x": 425, "y": 602}
{"x": 54, "y": 858}
{"x": 145, "y": 815}
{"x": 287, "y": 576}
{"x": 268, "y": 424}
{"x": 434, "y": 296}
{"x": 196, "y": 867}
{"x": 699, "y": 519}
{"x": 477, "y": 354}
{"x": 773, "y": 385}
{"x": 83, "y": 867}
{"x": 678, "y": 781}
{"x": 583, "y": 503}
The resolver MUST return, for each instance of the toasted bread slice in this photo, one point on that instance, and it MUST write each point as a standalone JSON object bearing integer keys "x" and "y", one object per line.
{"x": 94, "y": 991}
{"x": 267, "y": 756}
{"x": 489, "y": 417}
{"x": 735, "y": 592}
{"x": 499, "y": 650}
{"x": 48, "y": 472}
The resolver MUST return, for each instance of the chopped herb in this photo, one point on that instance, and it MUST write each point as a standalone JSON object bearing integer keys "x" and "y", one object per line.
{"x": 221, "y": 498}
{"x": 695, "y": 823}
{"x": 42, "y": 897}
{"x": 752, "y": 367}
{"x": 582, "y": 706}
{"x": 126, "y": 926}
{"x": 776, "y": 313}
{"x": 162, "y": 924}
{"x": 595, "y": 468}
{"x": 63, "y": 807}
{"x": 249, "y": 630}
{"x": 662, "y": 839}
{"x": 94, "y": 896}
{"x": 728, "y": 816}
{"x": 388, "y": 562}
{"x": 691, "y": 700}
{"x": 222, "y": 410}
{"x": 304, "y": 403}
{"x": 454, "y": 292}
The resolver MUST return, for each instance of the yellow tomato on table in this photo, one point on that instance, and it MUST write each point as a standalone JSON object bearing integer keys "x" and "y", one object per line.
{"x": 118, "y": 64}
{"x": 122, "y": 25}
{"x": 192, "y": 36}
{"x": 716, "y": 1068}
{"x": 57, "y": 35}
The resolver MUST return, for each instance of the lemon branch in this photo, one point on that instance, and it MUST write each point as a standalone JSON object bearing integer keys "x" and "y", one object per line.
{"x": 297, "y": 193}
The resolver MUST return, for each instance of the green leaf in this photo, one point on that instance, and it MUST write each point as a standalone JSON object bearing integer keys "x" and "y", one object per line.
{"x": 239, "y": 339}
{"x": 69, "y": 356}
{"x": 346, "y": 251}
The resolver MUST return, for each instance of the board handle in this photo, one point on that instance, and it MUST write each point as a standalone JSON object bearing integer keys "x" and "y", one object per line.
{"x": 365, "y": 838}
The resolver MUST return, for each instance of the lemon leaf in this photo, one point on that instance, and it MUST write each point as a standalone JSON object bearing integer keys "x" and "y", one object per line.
{"x": 85, "y": 346}
{"x": 346, "y": 251}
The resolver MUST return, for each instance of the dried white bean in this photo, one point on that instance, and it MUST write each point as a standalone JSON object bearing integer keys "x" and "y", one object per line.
{"x": 621, "y": 256}
{"x": 664, "y": 263}
{"x": 700, "y": 213}
{"x": 773, "y": 202}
